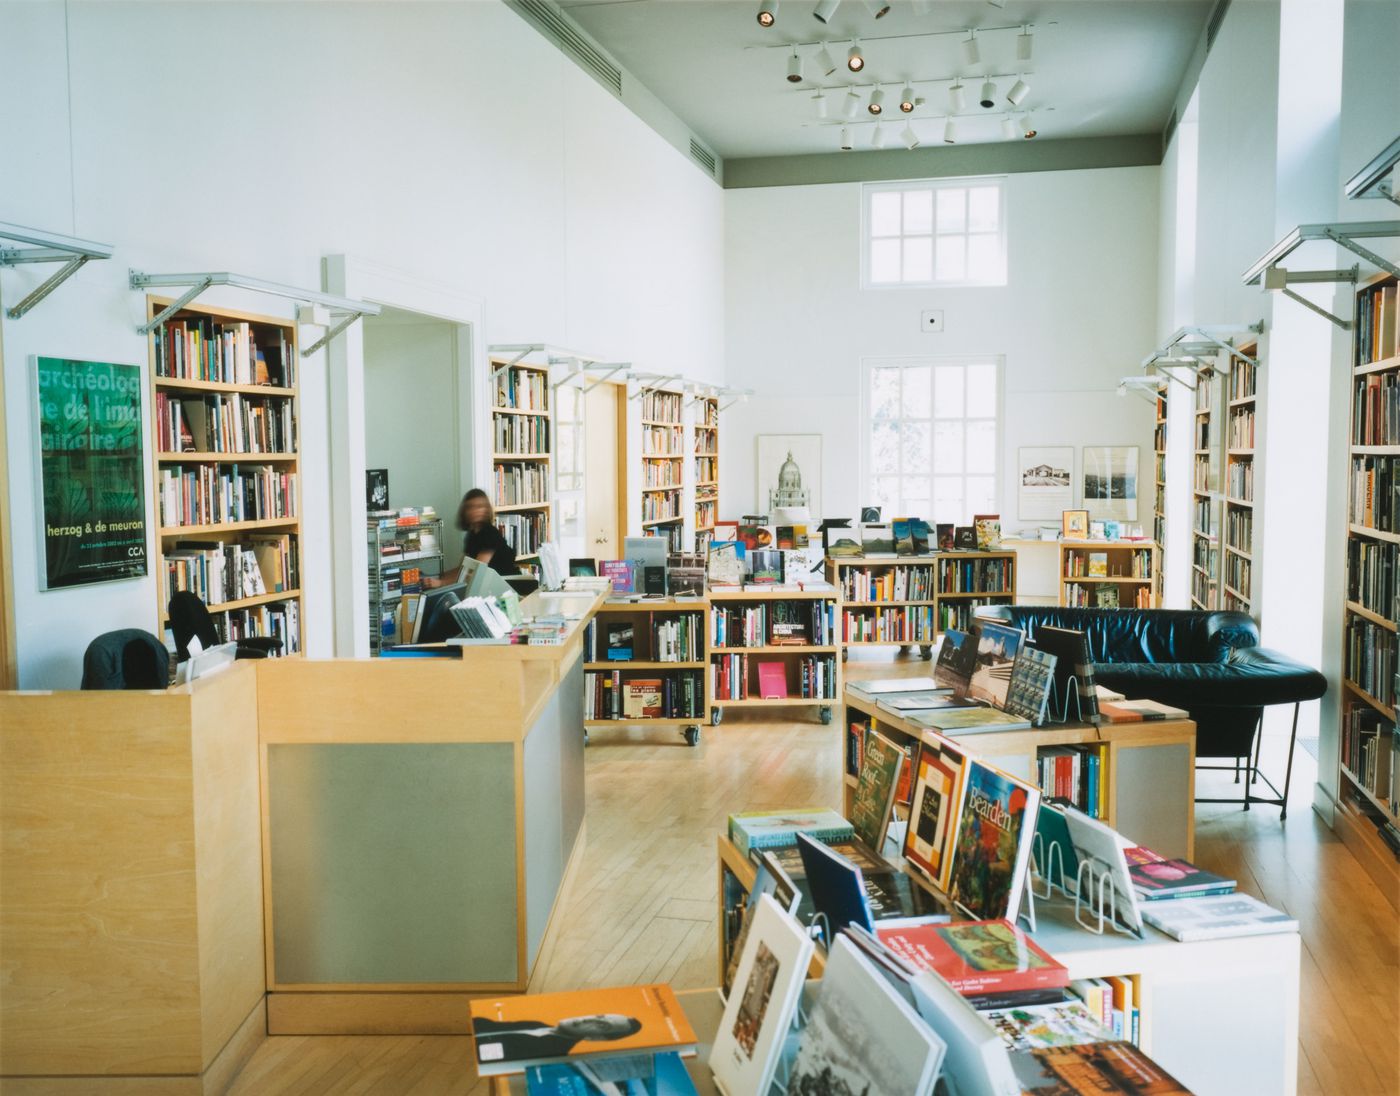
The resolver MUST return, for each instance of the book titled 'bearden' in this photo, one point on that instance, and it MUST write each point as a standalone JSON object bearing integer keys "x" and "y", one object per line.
{"x": 514, "y": 1033}
{"x": 995, "y": 828}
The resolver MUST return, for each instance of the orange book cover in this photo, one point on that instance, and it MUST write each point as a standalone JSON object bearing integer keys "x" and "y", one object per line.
{"x": 513, "y": 1033}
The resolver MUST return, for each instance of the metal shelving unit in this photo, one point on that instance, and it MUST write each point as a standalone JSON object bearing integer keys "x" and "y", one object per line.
{"x": 385, "y": 567}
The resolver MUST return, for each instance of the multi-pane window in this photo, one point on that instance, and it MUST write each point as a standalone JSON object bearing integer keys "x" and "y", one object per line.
{"x": 932, "y": 438}
{"x": 935, "y": 233}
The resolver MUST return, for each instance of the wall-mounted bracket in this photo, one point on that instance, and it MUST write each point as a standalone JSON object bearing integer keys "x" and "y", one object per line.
{"x": 46, "y": 247}
{"x": 1344, "y": 234}
{"x": 740, "y": 395}
{"x": 345, "y": 309}
{"x": 1146, "y": 388}
{"x": 650, "y": 382}
{"x": 1377, "y": 179}
{"x": 609, "y": 371}
{"x": 1277, "y": 279}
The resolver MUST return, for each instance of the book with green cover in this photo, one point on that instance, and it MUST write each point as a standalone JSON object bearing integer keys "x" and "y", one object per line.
{"x": 961, "y": 721}
{"x": 873, "y": 801}
{"x": 777, "y": 829}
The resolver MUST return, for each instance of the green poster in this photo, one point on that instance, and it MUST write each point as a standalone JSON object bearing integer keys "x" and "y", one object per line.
{"x": 92, "y": 472}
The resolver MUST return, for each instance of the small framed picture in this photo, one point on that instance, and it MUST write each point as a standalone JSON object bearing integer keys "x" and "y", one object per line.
{"x": 1097, "y": 530}
{"x": 1112, "y": 530}
{"x": 1074, "y": 524}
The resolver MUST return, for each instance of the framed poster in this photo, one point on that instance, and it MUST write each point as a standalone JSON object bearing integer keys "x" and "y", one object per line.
{"x": 789, "y": 469}
{"x": 1110, "y": 482}
{"x": 1045, "y": 484}
{"x": 92, "y": 471}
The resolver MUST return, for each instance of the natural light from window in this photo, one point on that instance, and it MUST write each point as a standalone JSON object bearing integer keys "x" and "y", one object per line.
{"x": 935, "y": 234}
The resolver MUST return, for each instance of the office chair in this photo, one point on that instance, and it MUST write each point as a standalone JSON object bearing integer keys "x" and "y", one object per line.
{"x": 189, "y": 618}
{"x": 129, "y": 658}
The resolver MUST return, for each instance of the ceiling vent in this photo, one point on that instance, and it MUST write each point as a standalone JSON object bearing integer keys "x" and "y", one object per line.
{"x": 1217, "y": 16}
{"x": 702, "y": 156}
{"x": 564, "y": 34}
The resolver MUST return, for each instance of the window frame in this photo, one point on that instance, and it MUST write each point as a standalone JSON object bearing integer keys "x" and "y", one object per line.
{"x": 868, "y": 190}
{"x": 865, "y": 464}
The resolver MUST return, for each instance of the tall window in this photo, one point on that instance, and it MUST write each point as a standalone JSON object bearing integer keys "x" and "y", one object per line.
{"x": 935, "y": 233}
{"x": 933, "y": 438}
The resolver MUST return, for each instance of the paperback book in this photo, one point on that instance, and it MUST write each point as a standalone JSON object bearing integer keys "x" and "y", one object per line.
{"x": 751, "y": 830}
{"x": 1092, "y": 1069}
{"x": 1155, "y": 877}
{"x": 1216, "y": 917}
{"x": 968, "y": 720}
{"x": 644, "y": 1074}
{"x": 889, "y": 686}
{"x": 1060, "y": 1024}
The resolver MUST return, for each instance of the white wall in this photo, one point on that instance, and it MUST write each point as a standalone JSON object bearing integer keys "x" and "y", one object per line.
{"x": 1078, "y": 313}
{"x": 446, "y": 139}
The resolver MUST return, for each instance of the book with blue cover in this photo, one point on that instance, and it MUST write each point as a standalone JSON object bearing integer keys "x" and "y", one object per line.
{"x": 838, "y": 891}
{"x": 779, "y": 829}
{"x": 636, "y": 1075}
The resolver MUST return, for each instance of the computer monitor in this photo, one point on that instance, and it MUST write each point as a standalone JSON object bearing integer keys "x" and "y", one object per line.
{"x": 479, "y": 580}
{"x": 436, "y": 613}
{"x": 205, "y": 663}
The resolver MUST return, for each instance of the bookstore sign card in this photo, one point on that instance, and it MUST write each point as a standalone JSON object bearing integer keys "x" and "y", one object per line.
{"x": 91, "y": 471}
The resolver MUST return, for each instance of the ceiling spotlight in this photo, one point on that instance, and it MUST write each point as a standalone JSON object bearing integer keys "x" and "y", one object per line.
{"x": 850, "y": 103}
{"x": 989, "y": 94}
{"x": 824, "y": 10}
{"x": 957, "y": 98}
{"x": 1019, "y": 90}
{"x": 825, "y": 62}
{"x": 795, "y": 68}
{"x": 906, "y": 99}
{"x": 767, "y": 12}
{"x": 878, "y": 8}
{"x": 1008, "y": 127}
{"x": 877, "y": 139}
{"x": 1027, "y": 130}
{"x": 846, "y": 145}
{"x": 855, "y": 60}
{"x": 1023, "y": 45}
{"x": 950, "y": 132}
{"x": 877, "y": 100}
{"x": 909, "y": 137}
{"x": 970, "y": 49}
{"x": 819, "y": 103}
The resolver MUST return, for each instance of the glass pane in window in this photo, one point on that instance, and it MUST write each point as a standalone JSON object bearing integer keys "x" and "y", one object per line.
{"x": 952, "y": 209}
{"x": 886, "y": 494}
{"x": 918, "y": 212}
{"x": 948, "y": 500}
{"x": 884, "y": 260}
{"x": 984, "y": 259}
{"x": 948, "y": 392}
{"x": 884, "y": 393}
{"x": 948, "y": 446}
{"x": 571, "y": 517}
{"x": 917, "y": 379}
{"x": 982, "y": 446}
{"x": 983, "y": 209}
{"x": 918, "y": 259}
{"x": 915, "y": 498}
{"x": 981, "y": 494}
{"x": 951, "y": 258}
{"x": 884, "y": 447}
{"x": 914, "y": 451}
{"x": 981, "y": 391}
{"x": 884, "y": 213}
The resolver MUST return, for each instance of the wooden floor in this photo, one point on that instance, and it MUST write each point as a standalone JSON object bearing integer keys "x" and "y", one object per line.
{"x": 643, "y": 908}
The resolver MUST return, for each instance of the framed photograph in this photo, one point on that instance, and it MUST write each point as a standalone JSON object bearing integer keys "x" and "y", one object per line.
{"x": 92, "y": 471}
{"x": 789, "y": 473}
{"x": 1074, "y": 524}
{"x": 1110, "y": 482}
{"x": 1045, "y": 486}
{"x": 376, "y": 489}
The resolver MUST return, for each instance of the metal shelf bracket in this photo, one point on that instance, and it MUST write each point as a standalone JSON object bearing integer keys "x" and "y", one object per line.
{"x": 650, "y": 382}
{"x": 1377, "y": 179}
{"x": 46, "y": 247}
{"x": 1276, "y": 278}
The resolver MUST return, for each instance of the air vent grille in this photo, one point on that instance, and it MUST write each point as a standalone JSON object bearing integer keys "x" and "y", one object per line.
{"x": 1170, "y": 131}
{"x": 1217, "y": 16}
{"x": 702, "y": 156}
{"x": 562, "y": 32}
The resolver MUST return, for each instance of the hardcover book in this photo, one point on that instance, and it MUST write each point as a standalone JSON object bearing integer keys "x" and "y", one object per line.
{"x": 766, "y": 565}
{"x": 988, "y": 528}
{"x": 1098, "y": 564}
{"x": 836, "y": 886}
{"x": 977, "y": 958}
{"x": 928, "y": 842}
{"x": 993, "y": 846}
{"x": 769, "y": 879}
{"x": 1062, "y": 1024}
{"x": 619, "y": 642}
{"x": 997, "y": 647}
{"x": 965, "y": 538}
{"x": 619, "y": 573}
{"x": 965, "y": 721}
{"x": 1074, "y": 671}
{"x": 957, "y": 655}
{"x": 900, "y": 704}
{"x": 777, "y": 829}
{"x": 921, "y": 534}
{"x": 772, "y": 680}
{"x": 1032, "y": 675}
{"x": 513, "y": 1033}
{"x": 888, "y": 685}
{"x": 873, "y": 801}
{"x": 877, "y": 539}
{"x": 1215, "y": 917}
{"x": 889, "y": 892}
{"x": 661, "y": 1074}
{"x": 642, "y": 698}
{"x": 903, "y": 536}
{"x": 1092, "y": 1069}
{"x": 1157, "y": 877}
{"x": 944, "y": 533}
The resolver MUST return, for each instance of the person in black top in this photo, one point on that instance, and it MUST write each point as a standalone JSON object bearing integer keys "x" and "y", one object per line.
{"x": 484, "y": 542}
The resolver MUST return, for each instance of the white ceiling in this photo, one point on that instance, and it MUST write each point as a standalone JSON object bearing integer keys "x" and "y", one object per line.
{"x": 1099, "y": 67}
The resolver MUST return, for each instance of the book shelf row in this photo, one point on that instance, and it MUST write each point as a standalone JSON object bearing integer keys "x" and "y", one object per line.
{"x": 224, "y": 423}
{"x": 706, "y": 463}
{"x": 522, "y": 427}
{"x": 1205, "y": 483}
{"x": 1237, "y": 578}
{"x": 215, "y": 494}
{"x": 213, "y": 346}
{"x": 1110, "y": 574}
{"x": 1159, "y": 495}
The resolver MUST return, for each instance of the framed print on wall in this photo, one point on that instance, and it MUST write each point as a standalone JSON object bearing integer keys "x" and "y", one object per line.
{"x": 1110, "y": 482}
{"x": 789, "y": 471}
{"x": 1045, "y": 481}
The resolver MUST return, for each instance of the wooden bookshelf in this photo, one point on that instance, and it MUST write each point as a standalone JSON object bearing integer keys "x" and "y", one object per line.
{"x": 909, "y": 601}
{"x": 1368, "y": 771}
{"x": 684, "y": 664}
{"x": 733, "y": 680}
{"x": 522, "y": 432}
{"x": 663, "y": 466}
{"x": 1159, "y": 492}
{"x": 227, "y": 424}
{"x": 1205, "y": 492}
{"x": 1110, "y": 574}
{"x": 1239, "y": 545}
{"x": 706, "y": 464}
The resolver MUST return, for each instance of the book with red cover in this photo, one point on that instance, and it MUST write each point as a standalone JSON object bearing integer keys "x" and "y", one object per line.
{"x": 1092, "y": 1069}
{"x": 514, "y": 1033}
{"x": 977, "y": 958}
{"x": 772, "y": 681}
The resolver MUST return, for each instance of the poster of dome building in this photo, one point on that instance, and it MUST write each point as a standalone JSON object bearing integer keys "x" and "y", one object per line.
{"x": 789, "y": 472}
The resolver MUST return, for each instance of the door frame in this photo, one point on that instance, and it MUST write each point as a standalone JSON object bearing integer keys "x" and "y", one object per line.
{"x": 9, "y": 656}
{"x": 362, "y": 279}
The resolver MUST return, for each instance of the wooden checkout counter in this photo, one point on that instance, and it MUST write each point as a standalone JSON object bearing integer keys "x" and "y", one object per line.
{"x": 285, "y": 847}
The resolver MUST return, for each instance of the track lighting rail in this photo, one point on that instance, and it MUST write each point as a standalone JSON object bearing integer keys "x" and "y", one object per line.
{"x": 865, "y": 38}
{"x": 46, "y": 247}
{"x": 345, "y": 309}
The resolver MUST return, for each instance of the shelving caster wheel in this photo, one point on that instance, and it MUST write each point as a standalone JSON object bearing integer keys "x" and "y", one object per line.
{"x": 585, "y": 737}
{"x": 926, "y": 652}
{"x": 826, "y": 715}
{"x": 716, "y": 714}
{"x": 845, "y": 653}
{"x": 692, "y": 736}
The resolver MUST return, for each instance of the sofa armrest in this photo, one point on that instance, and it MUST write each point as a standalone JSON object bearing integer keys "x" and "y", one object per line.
{"x": 1250, "y": 678}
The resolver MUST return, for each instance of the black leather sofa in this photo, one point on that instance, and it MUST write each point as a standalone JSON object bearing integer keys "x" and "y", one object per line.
{"x": 1209, "y": 663}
